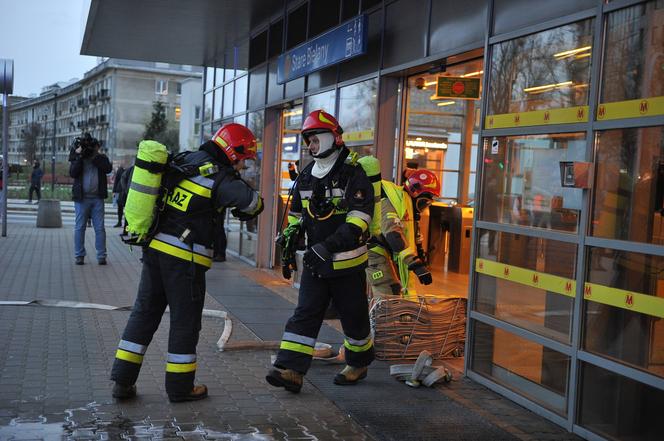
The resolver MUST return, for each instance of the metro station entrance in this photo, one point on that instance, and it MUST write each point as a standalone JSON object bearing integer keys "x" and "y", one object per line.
{"x": 287, "y": 166}
{"x": 441, "y": 133}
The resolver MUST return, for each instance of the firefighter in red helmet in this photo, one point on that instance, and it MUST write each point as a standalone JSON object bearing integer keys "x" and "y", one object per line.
{"x": 396, "y": 249}
{"x": 333, "y": 201}
{"x": 178, "y": 255}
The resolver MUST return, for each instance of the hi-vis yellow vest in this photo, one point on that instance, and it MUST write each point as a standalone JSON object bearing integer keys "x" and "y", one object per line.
{"x": 371, "y": 167}
{"x": 402, "y": 203}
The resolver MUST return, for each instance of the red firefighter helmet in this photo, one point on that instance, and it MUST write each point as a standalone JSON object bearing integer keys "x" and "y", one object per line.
{"x": 421, "y": 183}
{"x": 320, "y": 121}
{"x": 236, "y": 141}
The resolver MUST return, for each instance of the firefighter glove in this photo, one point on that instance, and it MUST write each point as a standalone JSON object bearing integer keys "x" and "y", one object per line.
{"x": 421, "y": 272}
{"x": 244, "y": 216}
{"x": 291, "y": 231}
{"x": 316, "y": 256}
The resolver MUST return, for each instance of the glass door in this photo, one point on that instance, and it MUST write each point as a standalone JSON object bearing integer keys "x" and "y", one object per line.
{"x": 288, "y": 165}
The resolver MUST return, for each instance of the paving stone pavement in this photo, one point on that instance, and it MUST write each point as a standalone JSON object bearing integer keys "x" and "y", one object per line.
{"x": 56, "y": 363}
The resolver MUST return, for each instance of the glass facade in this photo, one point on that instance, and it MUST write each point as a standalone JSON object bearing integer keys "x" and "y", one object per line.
{"x": 568, "y": 283}
{"x": 534, "y": 371}
{"x": 546, "y": 70}
{"x": 521, "y": 183}
{"x": 439, "y": 130}
{"x": 567, "y": 290}
{"x": 540, "y": 304}
{"x": 619, "y": 408}
{"x": 357, "y": 115}
{"x": 629, "y": 183}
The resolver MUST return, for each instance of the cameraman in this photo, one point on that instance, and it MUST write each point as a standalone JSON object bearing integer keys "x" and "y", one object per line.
{"x": 89, "y": 169}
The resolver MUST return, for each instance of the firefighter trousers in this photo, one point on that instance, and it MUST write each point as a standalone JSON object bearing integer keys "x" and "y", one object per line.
{"x": 348, "y": 295}
{"x": 179, "y": 284}
{"x": 382, "y": 273}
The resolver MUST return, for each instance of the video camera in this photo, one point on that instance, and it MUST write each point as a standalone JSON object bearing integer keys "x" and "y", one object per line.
{"x": 87, "y": 143}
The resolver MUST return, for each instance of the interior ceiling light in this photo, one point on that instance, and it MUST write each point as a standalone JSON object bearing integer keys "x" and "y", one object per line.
{"x": 472, "y": 74}
{"x": 446, "y": 103}
{"x": 571, "y": 53}
{"x": 431, "y": 83}
{"x": 547, "y": 87}
{"x": 293, "y": 112}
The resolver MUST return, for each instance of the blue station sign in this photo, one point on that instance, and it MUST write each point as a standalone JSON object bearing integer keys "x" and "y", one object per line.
{"x": 336, "y": 45}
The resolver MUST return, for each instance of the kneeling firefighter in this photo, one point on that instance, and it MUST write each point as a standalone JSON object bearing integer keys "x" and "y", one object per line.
{"x": 396, "y": 249}
{"x": 179, "y": 252}
{"x": 333, "y": 201}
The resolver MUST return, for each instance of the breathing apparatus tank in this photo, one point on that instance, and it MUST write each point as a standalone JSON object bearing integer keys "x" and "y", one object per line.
{"x": 371, "y": 166}
{"x": 149, "y": 167}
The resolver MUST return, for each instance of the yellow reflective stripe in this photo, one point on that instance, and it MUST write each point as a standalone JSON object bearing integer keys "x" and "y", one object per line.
{"x": 631, "y": 108}
{"x": 620, "y": 298}
{"x": 361, "y": 223}
{"x": 392, "y": 216}
{"x": 537, "y": 117}
{"x": 365, "y": 347}
{"x": 195, "y": 188}
{"x": 344, "y": 264}
{"x": 380, "y": 250}
{"x": 592, "y": 292}
{"x": 305, "y": 203}
{"x": 180, "y": 368}
{"x": 293, "y": 219}
{"x": 128, "y": 356}
{"x": 296, "y": 347}
{"x": 523, "y": 276}
{"x": 180, "y": 253}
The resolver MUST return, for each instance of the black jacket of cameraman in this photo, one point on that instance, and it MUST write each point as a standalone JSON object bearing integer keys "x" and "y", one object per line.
{"x": 76, "y": 168}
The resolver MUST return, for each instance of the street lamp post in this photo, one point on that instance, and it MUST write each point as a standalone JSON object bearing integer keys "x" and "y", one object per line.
{"x": 55, "y": 117}
{"x": 6, "y": 89}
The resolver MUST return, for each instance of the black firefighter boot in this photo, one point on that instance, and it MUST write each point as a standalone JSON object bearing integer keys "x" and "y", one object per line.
{"x": 350, "y": 375}
{"x": 197, "y": 393}
{"x": 286, "y": 378}
{"x": 123, "y": 391}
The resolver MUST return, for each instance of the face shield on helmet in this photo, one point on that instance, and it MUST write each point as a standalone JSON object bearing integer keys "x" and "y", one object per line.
{"x": 326, "y": 130}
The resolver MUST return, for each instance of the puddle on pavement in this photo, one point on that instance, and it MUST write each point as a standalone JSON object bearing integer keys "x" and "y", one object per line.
{"x": 89, "y": 424}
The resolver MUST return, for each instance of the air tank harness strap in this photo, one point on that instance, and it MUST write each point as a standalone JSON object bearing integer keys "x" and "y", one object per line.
{"x": 152, "y": 167}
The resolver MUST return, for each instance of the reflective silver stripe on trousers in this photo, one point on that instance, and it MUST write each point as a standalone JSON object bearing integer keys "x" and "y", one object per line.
{"x": 306, "y": 194}
{"x": 358, "y": 342}
{"x": 252, "y": 206}
{"x": 289, "y": 336}
{"x": 180, "y": 358}
{"x": 295, "y": 214}
{"x": 362, "y": 215}
{"x": 345, "y": 255}
{"x": 172, "y": 240}
{"x": 144, "y": 188}
{"x": 132, "y": 347}
{"x": 202, "y": 181}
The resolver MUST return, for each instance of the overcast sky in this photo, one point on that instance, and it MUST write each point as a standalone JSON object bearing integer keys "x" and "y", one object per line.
{"x": 44, "y": 39}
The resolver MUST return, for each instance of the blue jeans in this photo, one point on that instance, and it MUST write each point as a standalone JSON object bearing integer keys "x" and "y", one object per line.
{"x": 90, "y": 208}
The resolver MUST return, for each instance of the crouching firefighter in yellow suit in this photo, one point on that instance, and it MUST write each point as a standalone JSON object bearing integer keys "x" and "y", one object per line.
{"x": 177, "y": 254}
{"x": 395, "y": 249}
{"x": 333, "y": 202}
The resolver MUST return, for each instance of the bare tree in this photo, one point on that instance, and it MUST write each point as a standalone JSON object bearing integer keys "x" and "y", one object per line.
{"x": 30, "y": 137}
